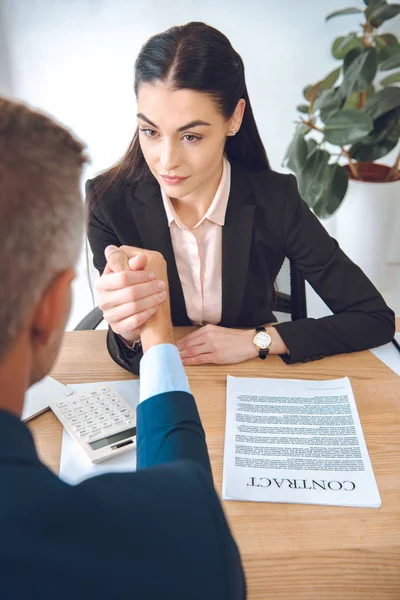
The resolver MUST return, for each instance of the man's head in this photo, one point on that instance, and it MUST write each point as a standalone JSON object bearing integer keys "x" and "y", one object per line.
{"x": 41, "y": 219}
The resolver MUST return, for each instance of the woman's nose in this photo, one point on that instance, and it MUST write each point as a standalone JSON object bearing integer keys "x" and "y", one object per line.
{"x": 170, "y": 159}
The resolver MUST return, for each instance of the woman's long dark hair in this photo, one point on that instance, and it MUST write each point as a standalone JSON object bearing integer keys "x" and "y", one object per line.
{"x": 198, "y": 57}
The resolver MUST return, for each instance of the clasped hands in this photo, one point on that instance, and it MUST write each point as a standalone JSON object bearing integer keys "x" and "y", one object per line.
{"x": 131, "y": 297}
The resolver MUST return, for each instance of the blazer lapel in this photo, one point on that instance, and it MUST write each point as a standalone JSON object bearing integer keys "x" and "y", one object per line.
{"x": 236, "y": 245}
{"x": 152, "y": 225}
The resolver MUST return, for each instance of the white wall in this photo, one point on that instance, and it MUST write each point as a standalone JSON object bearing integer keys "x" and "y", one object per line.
{"x": 75, "y": 58}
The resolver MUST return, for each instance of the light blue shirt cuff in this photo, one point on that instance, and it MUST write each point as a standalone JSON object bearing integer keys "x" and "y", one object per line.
{"x": 161, "y": 371}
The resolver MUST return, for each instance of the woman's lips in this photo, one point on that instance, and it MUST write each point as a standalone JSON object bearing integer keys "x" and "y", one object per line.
{"x": 173, "y": 180}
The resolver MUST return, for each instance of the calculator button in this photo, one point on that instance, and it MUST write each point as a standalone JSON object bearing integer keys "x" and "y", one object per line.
{"x": 65, "y": 409}
{"x": 95, "y": 428}
{"x": 74, "y": 420}
{"x": 107, "y": 409}
{"x": 123, "y": 410}
{"x": 109, "y": 395}
{"x": 128, "y": 422}
{"x": 90, "y": 422}
{"x": 106, "y": 424}
{"x": 94, "y": 394}
{"x": 85, "y": 417}
{"x": 112, "y": 414}
{"x": 117, "y": 420}
{"x": 92, "y": 407}
{"x": 79, "y": 427}
{"x": 119, "y": 405}
{"x": 62, "y": 404}
{"x": 70, "y": 414}
{"x": 104, "y": 390}
{"x": 83, "y": 396}
{"x": 101, "y": 418}
{"x": 127, "y": 415}
{"x": 87, "y": 402}
{"x": 83, "y": 432}
{"x": 81, "y": 411}
{"x": 113, "y": 401}
{"x": 96, "y": 413}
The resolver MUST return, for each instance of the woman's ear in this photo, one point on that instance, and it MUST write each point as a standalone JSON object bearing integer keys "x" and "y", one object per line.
{"x": 237, "y": 117}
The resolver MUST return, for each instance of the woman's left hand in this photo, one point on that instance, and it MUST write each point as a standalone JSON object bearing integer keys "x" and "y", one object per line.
{"x": 217, "y": 345}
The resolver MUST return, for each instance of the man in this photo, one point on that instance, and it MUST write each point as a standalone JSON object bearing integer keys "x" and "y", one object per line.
{"x": 157, "y": 533}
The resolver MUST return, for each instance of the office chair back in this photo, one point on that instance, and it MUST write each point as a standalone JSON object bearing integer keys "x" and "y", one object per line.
{"x": 291, "y": 294}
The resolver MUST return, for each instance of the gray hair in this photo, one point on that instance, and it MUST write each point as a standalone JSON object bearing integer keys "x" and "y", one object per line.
{"x": 41, "y": 210}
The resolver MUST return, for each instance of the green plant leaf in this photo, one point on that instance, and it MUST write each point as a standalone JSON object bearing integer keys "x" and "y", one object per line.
{"x": 303, "y": 108}
{"x": 310, "y": 92}
{"x": 388, "y": 51}
{"x": 360, "y": 72}
{"x": 328, "y": 102}
{"x": 386, "y": 39}
{"x": 393, "y": 78}
{"x": 352, "y": 101}
{"x": 342, "y": 45}
{"x": 391, "y": 63}
{"x": 337, "y": 181}
{"x": 350, "y": 56}
{"x": 343, "y": 11}
{"x": 382, "y": 102}
{"x": 330, "y": 79}
{"x": 311, "y": 146}
{"x": 306, "y": 92}
{"x": 296, "y": 153}
{"x": 380, "y": 141}
{"x": 347, "y": 127}
{"x": 312, "y": 177}
{"x": 382, "y": 11}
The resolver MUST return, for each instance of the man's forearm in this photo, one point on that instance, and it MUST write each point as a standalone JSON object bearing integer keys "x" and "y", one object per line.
{"x": 158, "y": 329}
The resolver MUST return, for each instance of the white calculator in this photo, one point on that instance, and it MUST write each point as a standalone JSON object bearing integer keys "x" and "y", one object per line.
{"x": 100, "y": 421}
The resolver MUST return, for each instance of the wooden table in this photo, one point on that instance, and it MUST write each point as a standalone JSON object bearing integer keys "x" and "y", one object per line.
{"x": 294, "y": 552}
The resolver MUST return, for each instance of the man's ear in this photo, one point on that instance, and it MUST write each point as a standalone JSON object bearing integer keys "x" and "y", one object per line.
{"x": 52, "y": 310}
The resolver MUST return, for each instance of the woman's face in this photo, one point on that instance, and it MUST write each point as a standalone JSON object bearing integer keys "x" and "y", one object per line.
{"x": 182, "y": 136}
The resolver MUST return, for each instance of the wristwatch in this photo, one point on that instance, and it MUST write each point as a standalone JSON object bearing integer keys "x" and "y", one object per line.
{"x": 262, "y": 341}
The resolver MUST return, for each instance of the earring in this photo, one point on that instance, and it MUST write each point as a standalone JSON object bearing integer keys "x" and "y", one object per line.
{"x": 233, "y": 132}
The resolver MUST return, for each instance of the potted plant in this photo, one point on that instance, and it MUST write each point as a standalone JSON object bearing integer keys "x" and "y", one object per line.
{"x": 350, "y": 120}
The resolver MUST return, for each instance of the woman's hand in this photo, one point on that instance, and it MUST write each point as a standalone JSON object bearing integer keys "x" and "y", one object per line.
{"x": 217, "y": 345}
{"x": 129, "y": 298}
{"x": 222, "y": 346}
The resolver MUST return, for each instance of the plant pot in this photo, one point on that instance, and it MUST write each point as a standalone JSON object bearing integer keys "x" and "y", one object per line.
{"x": 365, "y": 224}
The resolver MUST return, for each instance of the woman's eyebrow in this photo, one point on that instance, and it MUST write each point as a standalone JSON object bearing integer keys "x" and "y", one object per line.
{"x": 192, "y": 124}
{"x": 197, "y": 123}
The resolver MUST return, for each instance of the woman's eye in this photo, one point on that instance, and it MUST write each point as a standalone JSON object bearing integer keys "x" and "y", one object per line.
{"x": 149, "y": 133}
{"x": 189, "y": 137}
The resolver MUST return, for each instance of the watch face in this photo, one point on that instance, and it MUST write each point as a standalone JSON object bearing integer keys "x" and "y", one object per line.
{"x": 263, "y": 340}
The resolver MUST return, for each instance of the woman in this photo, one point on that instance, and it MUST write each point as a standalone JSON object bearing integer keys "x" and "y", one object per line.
{"x": 196, "y": 185}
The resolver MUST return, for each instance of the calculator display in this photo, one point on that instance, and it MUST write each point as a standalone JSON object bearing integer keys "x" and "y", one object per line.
{"x": 117, "y": 437}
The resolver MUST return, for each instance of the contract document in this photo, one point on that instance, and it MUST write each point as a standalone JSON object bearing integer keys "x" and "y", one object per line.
{"x": 296, "y": 441}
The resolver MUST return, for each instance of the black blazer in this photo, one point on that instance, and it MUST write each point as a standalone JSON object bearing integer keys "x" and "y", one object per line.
{"x": 266, "y": 221}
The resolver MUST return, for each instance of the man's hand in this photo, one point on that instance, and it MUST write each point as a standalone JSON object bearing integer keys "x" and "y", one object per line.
{"x": 157, "y": 329}
{"x": 129, "y": 292}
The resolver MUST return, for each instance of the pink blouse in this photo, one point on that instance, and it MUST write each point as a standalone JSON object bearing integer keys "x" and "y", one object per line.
{"x": 198, "y": 255}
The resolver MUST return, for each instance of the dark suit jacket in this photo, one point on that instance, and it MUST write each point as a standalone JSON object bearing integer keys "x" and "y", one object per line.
{"x": 157, "y": 533}
{"x": 266, "y": 221}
